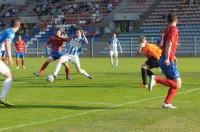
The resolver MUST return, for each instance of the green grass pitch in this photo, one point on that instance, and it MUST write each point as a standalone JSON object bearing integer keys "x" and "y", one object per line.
{"x": 112, "y": 102}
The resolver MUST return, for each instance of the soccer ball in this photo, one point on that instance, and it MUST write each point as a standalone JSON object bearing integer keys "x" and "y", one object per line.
{"x": 50, "y": 78}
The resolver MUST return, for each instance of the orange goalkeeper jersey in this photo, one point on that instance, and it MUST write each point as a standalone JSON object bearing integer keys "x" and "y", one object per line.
{"x": 151, "y": 50}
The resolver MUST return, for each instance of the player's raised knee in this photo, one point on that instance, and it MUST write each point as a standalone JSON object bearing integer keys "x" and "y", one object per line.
{"x": 8, "y": 74}
{"x": 179, "y": 82}
{"x": 143, "y": 66}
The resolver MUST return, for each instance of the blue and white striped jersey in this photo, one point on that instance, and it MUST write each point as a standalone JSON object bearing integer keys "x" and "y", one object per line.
{"x": 75, "y": 45}
{"x": 7, "y": 34}
{"x": 113, "y": 44}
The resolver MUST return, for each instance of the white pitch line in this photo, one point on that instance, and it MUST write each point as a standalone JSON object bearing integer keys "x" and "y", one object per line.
{"x": 147, "y": 99}
{"x": 89, "y": 112}
{"x": 69, "y": 102}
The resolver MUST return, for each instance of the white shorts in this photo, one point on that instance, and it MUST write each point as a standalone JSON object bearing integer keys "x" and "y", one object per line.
{"x": 74, "y": 59}
{"x": 3, "y": 68}
{"x": 114, "y": 53}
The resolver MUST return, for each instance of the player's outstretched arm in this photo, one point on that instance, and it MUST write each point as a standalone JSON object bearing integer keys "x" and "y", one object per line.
{"x": 84, "y": 37}
{"x": 8, "y": 49}
{"x": 120, "y": 46}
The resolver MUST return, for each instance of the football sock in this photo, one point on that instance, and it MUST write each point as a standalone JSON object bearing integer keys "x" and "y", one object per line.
{"x": 111, "y": 61}
{"x": 170, "y": 95}
{"x": 116, "y": 63}
{"x": 6, "y": 86}
{"x": 149, "y": 72}
{"x": 67, "y": 71}
{"x": 57, "y": 69}
{"x": 144, "y": 76}
{"x": 84, "y": 73}
{"x": 44, "y": 66}
{"x": 172, "y": 90}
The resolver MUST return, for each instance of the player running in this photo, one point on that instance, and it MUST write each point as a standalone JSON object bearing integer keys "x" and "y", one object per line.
{"x": 167, "y": 62}
{"x": 152, "y": 53}
{"x": 20, "y": 48}
{"x": 72, "y": 54}
{"x": 56, "y": 43}
{"x": 7, "y": 36}
{"x": 113, "y": 46}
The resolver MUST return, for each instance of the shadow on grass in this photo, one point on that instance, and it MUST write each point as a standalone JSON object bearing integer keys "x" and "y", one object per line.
{"x": 43, "y": 85}
{"x": 153, "y": 108}
{"x": 56, "y": 107}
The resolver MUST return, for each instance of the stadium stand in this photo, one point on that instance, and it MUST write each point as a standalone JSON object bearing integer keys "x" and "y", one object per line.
{"x": 90, "y": 16}
{"x": 67, "y": 15}
{"x": 189, "y": 26}
{"x": 137, "y": 6}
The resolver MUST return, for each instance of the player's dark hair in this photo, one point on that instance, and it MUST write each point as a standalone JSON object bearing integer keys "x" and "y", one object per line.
{"x": 172, "y": 17}
{"x": 57, "y": 29}
{"x": 78, "y": 29}
{"x": 14, "y": 22}
{"x": 114, "y": 34}
{"x": 141, "y": 39}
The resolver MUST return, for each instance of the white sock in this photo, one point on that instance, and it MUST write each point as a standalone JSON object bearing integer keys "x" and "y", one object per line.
{"x": 111, "y": 61}
{"x": 6, "y": 87}
{"x": 84, "y": 73}
{"x": 57, "y": 69}
{"x": 116, "y": 63}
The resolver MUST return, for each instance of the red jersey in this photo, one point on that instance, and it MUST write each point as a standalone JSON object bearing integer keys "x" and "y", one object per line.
{"x": 56, "y": 43}
{"x": 19, "y": 46}
{"x": 171, "y": 35}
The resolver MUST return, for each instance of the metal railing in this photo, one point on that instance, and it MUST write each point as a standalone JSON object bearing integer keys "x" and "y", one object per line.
{"x": 187, "y": 47}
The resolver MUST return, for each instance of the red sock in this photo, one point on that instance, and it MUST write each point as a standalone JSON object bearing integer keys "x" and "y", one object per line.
{"x": 22, "y": 62}
{"x": 170, "y": 95}
{"x": 166, "y": 82}
{"x": 17, "y": 62}
{"x": 44, "y": 66}
{"x": 171, "y": 91}
{"x": 67, "y": 71}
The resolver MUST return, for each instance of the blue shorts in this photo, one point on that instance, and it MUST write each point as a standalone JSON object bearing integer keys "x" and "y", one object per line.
{"x": 3, "y": 53}
{"x": 56, "y": 55}
{"x": 170, "y": 71}
{"x": 20, "y": 55}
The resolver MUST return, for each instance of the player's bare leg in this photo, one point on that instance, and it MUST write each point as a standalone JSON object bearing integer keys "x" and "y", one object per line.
{"x": 44, "y": 66}
{"x": 82, "y": 71}
{"x": 171, "y": 93}
{"x": 6, "y": 85}
{"x": 116, "y": 61}
{"x": 174, "y": 86}
{"x": 17, "y": 63}
{"x": 67, "y": 71}
{"x": 4, "y": 59}
{"x": 23, "y": 63}
{"x": 111, "y": 61}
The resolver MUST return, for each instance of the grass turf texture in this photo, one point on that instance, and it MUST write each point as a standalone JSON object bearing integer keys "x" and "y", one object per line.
{"x": 112, "y": 102}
